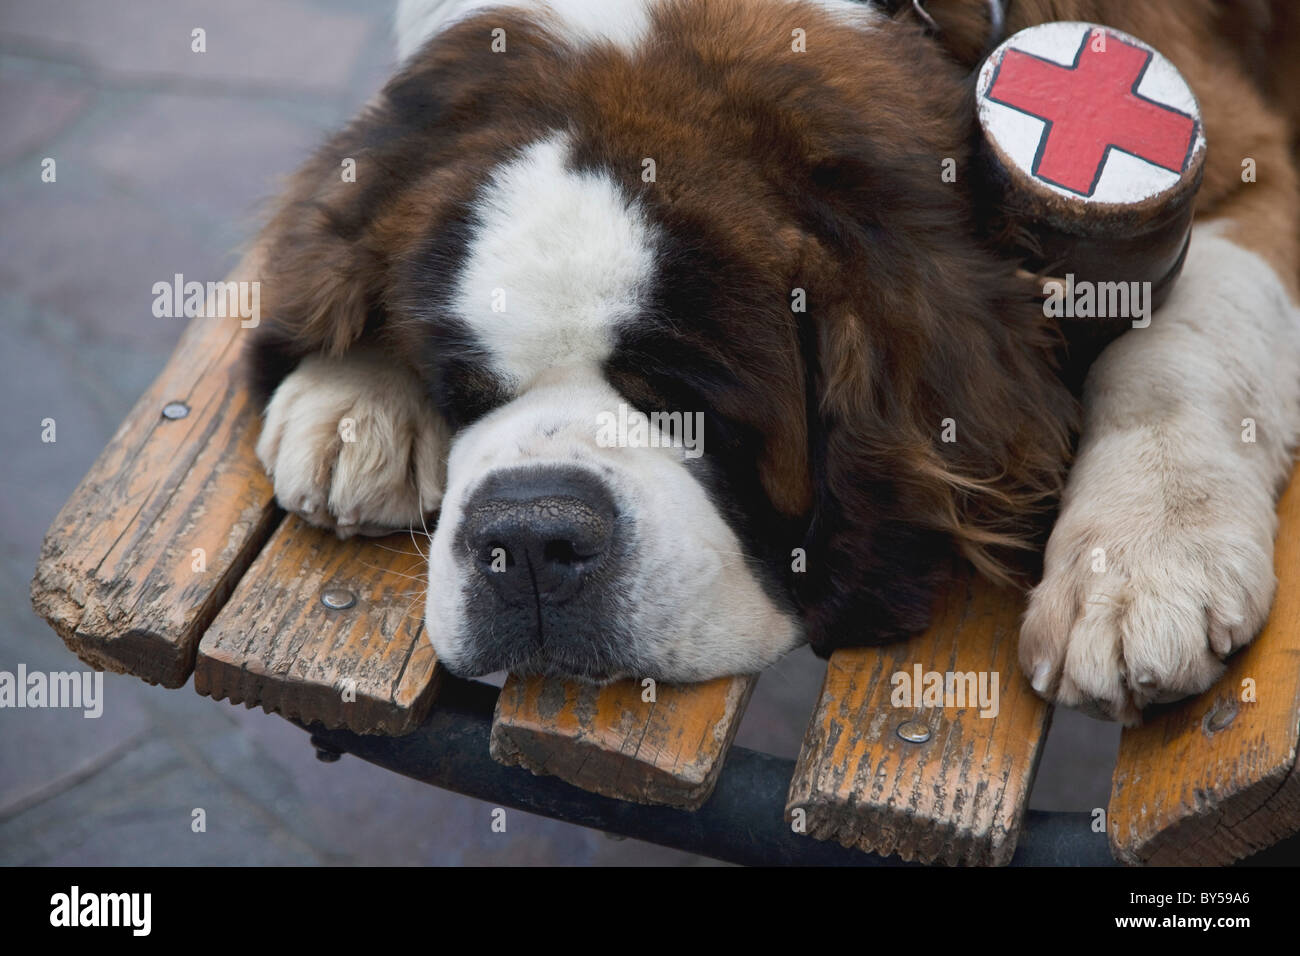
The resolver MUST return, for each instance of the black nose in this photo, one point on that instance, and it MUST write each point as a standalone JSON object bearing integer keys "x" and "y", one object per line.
{"x": 538, "y": 533}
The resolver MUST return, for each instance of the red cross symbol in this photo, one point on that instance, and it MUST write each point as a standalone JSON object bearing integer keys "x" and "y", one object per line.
{"x": 1091, "y": 108}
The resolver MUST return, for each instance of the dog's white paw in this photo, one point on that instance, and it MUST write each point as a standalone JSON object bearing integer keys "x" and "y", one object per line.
{"x": 352, "y": 444}
{"x": 1146, "y": 590}
{"x": 1161, "y": 562}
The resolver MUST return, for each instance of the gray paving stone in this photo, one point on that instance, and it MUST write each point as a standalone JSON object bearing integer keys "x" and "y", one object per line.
{"x": 35, "y": 108}
{"x": 92, "y": 257}
{"x": 215, "y": 161}
{"x": 293, "y": 46}
{"x": 778, "y": 712}
{"x": 55, "y": 748}
{"x": 44, "y": 750}
{"x": 139, "y": 810}
{"x": 1075, "y": 770}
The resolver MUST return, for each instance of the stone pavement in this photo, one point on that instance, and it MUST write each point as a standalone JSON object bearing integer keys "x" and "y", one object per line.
{"x": 163, "y": 159}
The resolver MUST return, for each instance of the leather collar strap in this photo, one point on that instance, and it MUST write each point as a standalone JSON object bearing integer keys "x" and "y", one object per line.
{"x": 997, "y": 16}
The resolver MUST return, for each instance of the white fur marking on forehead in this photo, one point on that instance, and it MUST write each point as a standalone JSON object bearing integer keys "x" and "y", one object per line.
{"x": 558, "y": 260}
{"x": 623, "y": 23}
{"x": 853, "y": 13}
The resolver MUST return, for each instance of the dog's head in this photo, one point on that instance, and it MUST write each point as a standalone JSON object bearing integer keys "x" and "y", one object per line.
{"x": 726, "y": 359}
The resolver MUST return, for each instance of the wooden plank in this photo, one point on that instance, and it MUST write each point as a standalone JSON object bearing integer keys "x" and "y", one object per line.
{"x": 959, "y": 796}
{"x": 145, "y": 551}
{"x": 1213, "y": 779}
{"x": 611, "y": 741}
{"x": 367, "y": 667}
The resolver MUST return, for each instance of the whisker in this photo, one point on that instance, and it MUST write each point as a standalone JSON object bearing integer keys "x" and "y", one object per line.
{"x": 400, "y": 574}
{"x": 410, "y": 607}
{"x": 396, "y": 550}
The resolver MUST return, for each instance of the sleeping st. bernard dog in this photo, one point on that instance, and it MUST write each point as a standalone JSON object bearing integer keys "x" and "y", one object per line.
{"x": 573, "y": 213}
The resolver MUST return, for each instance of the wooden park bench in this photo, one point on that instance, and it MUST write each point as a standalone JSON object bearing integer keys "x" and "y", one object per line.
{"x": 171, "y": 561}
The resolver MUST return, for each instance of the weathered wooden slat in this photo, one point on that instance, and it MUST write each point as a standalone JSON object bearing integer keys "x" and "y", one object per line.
{"x": 367, "y": 667}
{"x": 1215, "y": 778}
{"x": 957, "y": 797}
{"x": 611, "y": 741}
{"x": 145, "y": 551}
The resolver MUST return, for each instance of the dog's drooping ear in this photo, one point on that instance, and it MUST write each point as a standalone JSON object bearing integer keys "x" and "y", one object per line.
{"x": 367, "y": 197}
{"x": 936, "y": 415}
{"x": 950, "y": 429}
{"x": 319, "y": 283}
{"x": 355, "y": 221}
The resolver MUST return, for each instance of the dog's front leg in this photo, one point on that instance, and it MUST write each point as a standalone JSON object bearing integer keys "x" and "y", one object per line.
{"x": 1160, "y": 564}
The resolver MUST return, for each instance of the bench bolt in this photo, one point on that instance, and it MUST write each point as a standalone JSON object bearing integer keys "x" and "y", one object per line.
{"x": 338, "y": 599}
{"x": 326, "y": 752}
{"x": 175, "y": 410}
{"x": 914, "y": 731}
{"x": 1219, "y": 716}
